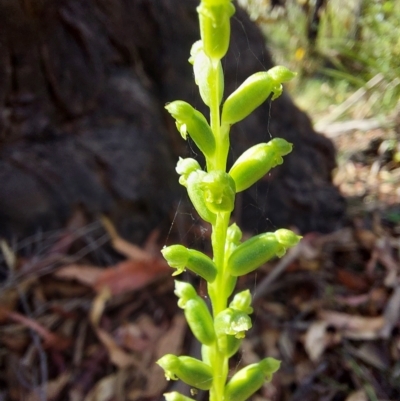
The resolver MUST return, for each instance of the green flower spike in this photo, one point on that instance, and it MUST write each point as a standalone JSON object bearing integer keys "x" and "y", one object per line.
{"x": 212, "y": 190}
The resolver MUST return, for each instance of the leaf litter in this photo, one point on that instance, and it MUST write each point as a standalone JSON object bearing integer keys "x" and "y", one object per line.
{"x": 74, "y": 329}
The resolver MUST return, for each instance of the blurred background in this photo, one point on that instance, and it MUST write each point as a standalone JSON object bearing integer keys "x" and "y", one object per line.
{"x": 89, "y": 196}
{"x": 347, "y": 54}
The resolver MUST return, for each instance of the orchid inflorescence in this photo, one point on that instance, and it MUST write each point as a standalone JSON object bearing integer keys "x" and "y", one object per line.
{"x": 212, "y": 192}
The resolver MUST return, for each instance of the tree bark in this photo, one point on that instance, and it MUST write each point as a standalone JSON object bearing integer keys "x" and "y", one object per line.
{"x": 82, "y": 122}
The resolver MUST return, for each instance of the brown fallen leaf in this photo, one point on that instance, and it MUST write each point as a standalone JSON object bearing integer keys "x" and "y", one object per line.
{"x": 359, "y": 395}
{"x": 104, "y": 390}
{"x": 85, "y": 274}
{"x": 131, "y": 275}
{"x": 315, "y": 341}
{"x": 170, "y": 343}
{"x": 117, "y": 355}
{"x": 353, "y": 281}
{"x": 126, "y": 248}
{"x": 140, "y": 335}
{"x": 392, "y": 313}
{"x": 352, "y": 326}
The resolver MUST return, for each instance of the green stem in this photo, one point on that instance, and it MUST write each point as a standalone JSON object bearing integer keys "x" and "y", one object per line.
{"x": 219, "y": 162}
{"x": 219, "y": 300}
{"x": 217, "y": 290}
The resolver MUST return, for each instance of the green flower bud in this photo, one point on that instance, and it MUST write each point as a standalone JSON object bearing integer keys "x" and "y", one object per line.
{"x": 234, "y": 234}
{"x": 287, "y": 238}
{"x": 281, "y": 74}
{"x": 233, "y": 237}
{"x": 250, "y": 379}
{"x": 252, "y": 93}
{"x": 219, "y": 191}
{"x": 193, "y": 372}
{"x": 202, "y": 68}
{"x": 242, "y": 302}
{"x": 190, "y": 120}
{"x": 197, "y": 313}
{"x": 196, "y": 195}
{"x": 175, "y": 396}
{"x": 257, "y": 161}
{"x": 184, "y": 167}
{"x": 200, "y": 321}
{"x": 179, "y": 257}
{"x": 232, "y": 322}
{"x": 185, "y": 292}
{"x": 257, "y": 250}
{"x": 215, "y": 27}
{"x": 202, "y": 265}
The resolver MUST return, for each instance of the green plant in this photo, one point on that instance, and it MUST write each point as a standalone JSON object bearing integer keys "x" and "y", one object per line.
{"x": 212, "y": 192}
{"x": 357, "y": 40}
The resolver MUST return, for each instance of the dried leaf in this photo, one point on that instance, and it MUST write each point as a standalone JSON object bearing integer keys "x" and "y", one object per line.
{"x": 85, "y": 274}
{"x": 353, "y": 281}
{"x": 9, "y": 255}
{"x": 359, "y": 395}
{"x": 117, "y": 355}
{"x": 170, "y": 343}
{"x": 131, "y": 275}
{"x": 98, "y": 305}
{"x": 104, "y": 390}
{"x": 355, "y": 327}
{"x": 316, "y": 340}
{"x": 126, "y": 248}
{"x": 140, "y": 335}
{"x": 392, "y": 313}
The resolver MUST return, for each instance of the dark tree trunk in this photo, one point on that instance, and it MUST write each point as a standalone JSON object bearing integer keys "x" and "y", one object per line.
{"x": 82, "y": 122}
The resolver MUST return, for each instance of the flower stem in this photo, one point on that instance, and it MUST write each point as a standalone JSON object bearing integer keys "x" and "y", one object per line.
{"x": 217, "y": 290}
{"x": 219, "y": 300}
